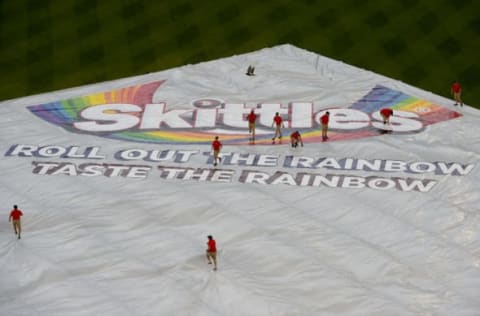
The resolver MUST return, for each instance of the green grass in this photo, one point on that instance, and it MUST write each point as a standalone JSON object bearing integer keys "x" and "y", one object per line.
{"x": 51, "y": 45}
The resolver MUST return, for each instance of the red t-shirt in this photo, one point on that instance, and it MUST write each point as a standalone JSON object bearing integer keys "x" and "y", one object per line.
{"x": 324, "y": 119}
{"x": 212, "y": 246}
{"x": 278, "y": 120}
{"x": 252, "y": 117}
{"x": 216, "y": 145}
{"x": 456, "y": 87}
{"x": 295, "y": 135}
{"x": 386, "y": 112}
{"x": 15, "y": 214}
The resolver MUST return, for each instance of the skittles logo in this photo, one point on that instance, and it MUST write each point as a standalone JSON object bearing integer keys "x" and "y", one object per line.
{"x": 130, "y": 114}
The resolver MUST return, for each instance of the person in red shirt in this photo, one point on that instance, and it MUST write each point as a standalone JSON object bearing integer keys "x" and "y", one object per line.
{"x": 324, "y": 122}
{"x": 278, "y": 122}
{"x": 252, "y": 117}
{"x": 456, "y": 90}
{"x": 296, "y": 138}
{"x": 386, "y": 113}
{"x": 15, "y": 215}
{"x": 212, "y": 251}
{"x": 216, "y": 146}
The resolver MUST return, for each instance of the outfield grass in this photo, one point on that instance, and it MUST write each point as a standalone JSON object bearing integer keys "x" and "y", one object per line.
{"x": 49, "y": 45}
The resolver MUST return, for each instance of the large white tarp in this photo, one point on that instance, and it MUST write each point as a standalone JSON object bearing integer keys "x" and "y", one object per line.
{"x": 119, "y": 192}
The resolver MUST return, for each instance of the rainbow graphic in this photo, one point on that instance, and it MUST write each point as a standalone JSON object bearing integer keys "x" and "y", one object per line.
{"x": 65, "y": 113}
